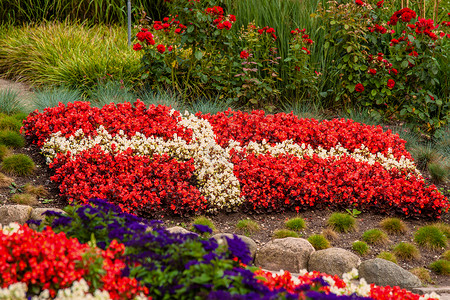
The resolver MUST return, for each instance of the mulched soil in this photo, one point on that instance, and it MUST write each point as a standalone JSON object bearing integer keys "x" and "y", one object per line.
{"x": 226, "y": 222}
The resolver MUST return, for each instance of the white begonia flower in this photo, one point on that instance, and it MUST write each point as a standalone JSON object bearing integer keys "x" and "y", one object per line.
{"x": 16, "y": 291}
{"x": 11, "y": 228}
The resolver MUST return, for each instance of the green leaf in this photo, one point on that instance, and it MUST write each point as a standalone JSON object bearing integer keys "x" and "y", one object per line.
{"x": 346, "y": 27}
{"x": 190, "y": 29}
{"x": 404, "y": 64}
{"x": 323, "y": 94}
{"x": 373, "y": 92}
{"x": 198, "y": 55}
{"x": 327, "y": 45}
{"x": 332, "y": 22}
{"x": 363, "y": 67}
{"x": 349, "y": 49}
{"x": 144, "y": 76}
{"x": 439, "y": 102}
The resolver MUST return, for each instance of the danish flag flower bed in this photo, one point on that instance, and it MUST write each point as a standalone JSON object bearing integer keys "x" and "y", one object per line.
{"x": 156, "y": 159}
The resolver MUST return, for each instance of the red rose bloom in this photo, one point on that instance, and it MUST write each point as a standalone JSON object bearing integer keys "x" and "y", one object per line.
{"x": 244, "y": 54}
{"x": 372, "y": 71}
{"x": 306, "y": 50}
{"x": 137, "y": 47}
{"x": 178, "y": 30}
{"x": 227, "y": 25}
{"x": 220, "y": 26}
{"x": 161, "y": 48}
{"x": 380, "y": 3}
{"x": 391, "y": 84}
{"x": 359, "y": 88}
{"x": 232, "y": 18}
{"x": 394, "y": 71}
{"x": 359, "y": 2}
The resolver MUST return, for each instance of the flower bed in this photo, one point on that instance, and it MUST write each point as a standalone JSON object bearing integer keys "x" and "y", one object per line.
{"x": 156, "y": 159}
{"x": 142, "y": 260}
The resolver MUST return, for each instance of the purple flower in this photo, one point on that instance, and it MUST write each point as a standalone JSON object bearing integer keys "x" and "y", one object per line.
{"x": 34, "y": 222}
{"x": 239, "y": 249}
{"x": 202, "y": 228}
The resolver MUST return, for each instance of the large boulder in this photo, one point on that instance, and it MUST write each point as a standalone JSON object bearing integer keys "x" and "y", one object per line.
{"x": 37, "y": 213}
{"x": 15, "y": 213}
{"x": 333, "y": 261}
{"x": 290, "y": 254}
{"x": 383, "y": 272}
{"x": 220, "y": 237}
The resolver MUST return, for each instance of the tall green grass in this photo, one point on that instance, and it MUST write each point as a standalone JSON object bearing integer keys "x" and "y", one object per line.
{"x": 70, "y": 54}
{"x": 92, "y": 11}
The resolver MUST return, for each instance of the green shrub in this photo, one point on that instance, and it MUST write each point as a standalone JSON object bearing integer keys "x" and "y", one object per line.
{"x": 70, "y": 54}
{"x": 360, "y": 247}
{"x": 295, "y": 224}
{"x": 423, "y": 274}
{"x": 247, "y": 226}
{"x": 342, "y": 222}
{"x": 387, "y": 256}
{"x": 25, "y": 199}
{"x": 439, "y": 172}
{"x": 393, "y": 226}
{"x": 375, "y": 237}
{"x": 4, "y": 151}
{"x": 430, "y": 237}
{"x": 441, "y": 267}
{"x": 203, "y": 221}
{"x": 10, "y": 123}
{"x": 283, "y": 233}
{"x": 18, "y": 164}
{"x": 446, "y": 255}
{"x": 52, "y": 96}
{"x": 319, "y": 242}
{"x": 406, "y": 251}
{"x": 9, "y": 102}
{"x": 11, "y": 139}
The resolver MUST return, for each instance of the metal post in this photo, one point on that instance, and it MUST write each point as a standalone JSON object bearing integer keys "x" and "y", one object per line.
{"x": 129, "y": 22}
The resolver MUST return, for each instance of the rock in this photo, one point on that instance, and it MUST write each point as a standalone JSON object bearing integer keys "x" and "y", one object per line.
{"x": 15, "y": 213}
{"x": 290, "y": 254}
{"x": 220, "y": 237}
{"x": 178, "y": 229}
{"x": 383, "y": 272}
{"x": 333, "y": 261}
{"x": 36, "y": 214}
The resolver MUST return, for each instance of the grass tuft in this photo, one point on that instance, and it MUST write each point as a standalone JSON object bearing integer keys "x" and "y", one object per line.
{"x": 110, "y": 92}
{"x": 375, "y": 237}
{"x": 162, "y": 98}
{"x": 209, "y": 106}
{"x": 423, "y": 274}
{"x": 319, "y": 242}
{"x": 5, "y": 181}
{"x": 423, "y": 155}
{"x": 342, "y": 222}
{"x": 446, "y": 255}
{"x": 52, "y": 96}
{"x": 9, "y": 102}
{"x": 441, "y": 267}
{"x": 201, "y": 220}
{"x": 20, "y": 116}
{"x": 247, "y": 226}
{"x": 360, "y": 247}
{"x": 38, "y": 191}
{"x": 283, "y": 233}
{"x": 387, "y": 256}
{"x": 11, "y": 139}
{"x": 330, "y": 234}
{"x": 4, "y": 151}
{"x": 10, "y": 123}
{"x": 430, "y": 237}
{"x": 444, "y": 227}
{"x": 18, "y": 164}
{"x": 295, "y": 224}
{"x": 406, "y": 251}
{"x": 439, "y": 172}
{"x": 393, "y": 226}
{"x": 25, "y": 199}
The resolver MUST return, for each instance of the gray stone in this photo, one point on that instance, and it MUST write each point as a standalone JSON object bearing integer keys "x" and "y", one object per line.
{"x": 290, "y": 254}
{"x": 36, "y": 214}
{"x": 383, "y": 272}
{"x": 220, "y": 237}
{"x": 15, "y": 213}
{"x": 333, "y": 261}
{"x": 178, "y": 229}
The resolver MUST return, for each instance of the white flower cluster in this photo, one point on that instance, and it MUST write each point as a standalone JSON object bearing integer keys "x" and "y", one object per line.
{"x": 10, "y": 229}
{"x": 213, "y": 168}
{"x": 78, "y": 290}
{"x": 360, "y": 154}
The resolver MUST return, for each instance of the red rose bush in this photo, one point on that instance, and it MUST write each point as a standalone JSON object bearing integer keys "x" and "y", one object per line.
{"x": 156, "y": 159}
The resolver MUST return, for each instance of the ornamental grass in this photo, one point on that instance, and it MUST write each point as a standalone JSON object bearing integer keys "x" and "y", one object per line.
{"x": 375, "y": 237}
{"x": 18, "y": 164}
{"x": 387, "y": 256}
{"x": 342, "y": 222}
{"x": 393, "y": 226}
{"x": 430, "y": 237}
{"x": 319, "y": 242}
{"x": 295, "y": 224}
{"x": 283, "y": 233}
{"x": 361, "y": 248}
{"x": 406, "y": 251}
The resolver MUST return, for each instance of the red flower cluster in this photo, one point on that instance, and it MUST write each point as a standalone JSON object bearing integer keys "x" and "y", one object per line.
{"x": 130, "y": 181}
{"x": 380, "y": 4}
{"x": 215, "y": 10}
{"x": 161, "y": 48}
{"x": 359, "y": 87}
{"x": 256, "y": 126}
{"x": 405, "y": 15}
{"x": 46, "y": 260}
{"x": 378, "y": 28}
{"x": 131, "y": 118}
{"x": 424, "y": 26}
{"x": 360, "y": 3}
{"x": 244, "y": 54}
{"x": 268, "y": 30}
{"x": 390, "y": 84}
{"x": 288, "y": 182}
{"x": 372, "y": 71}
{"x": 145, "y": 35}
{"x": 389, "y": 293}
